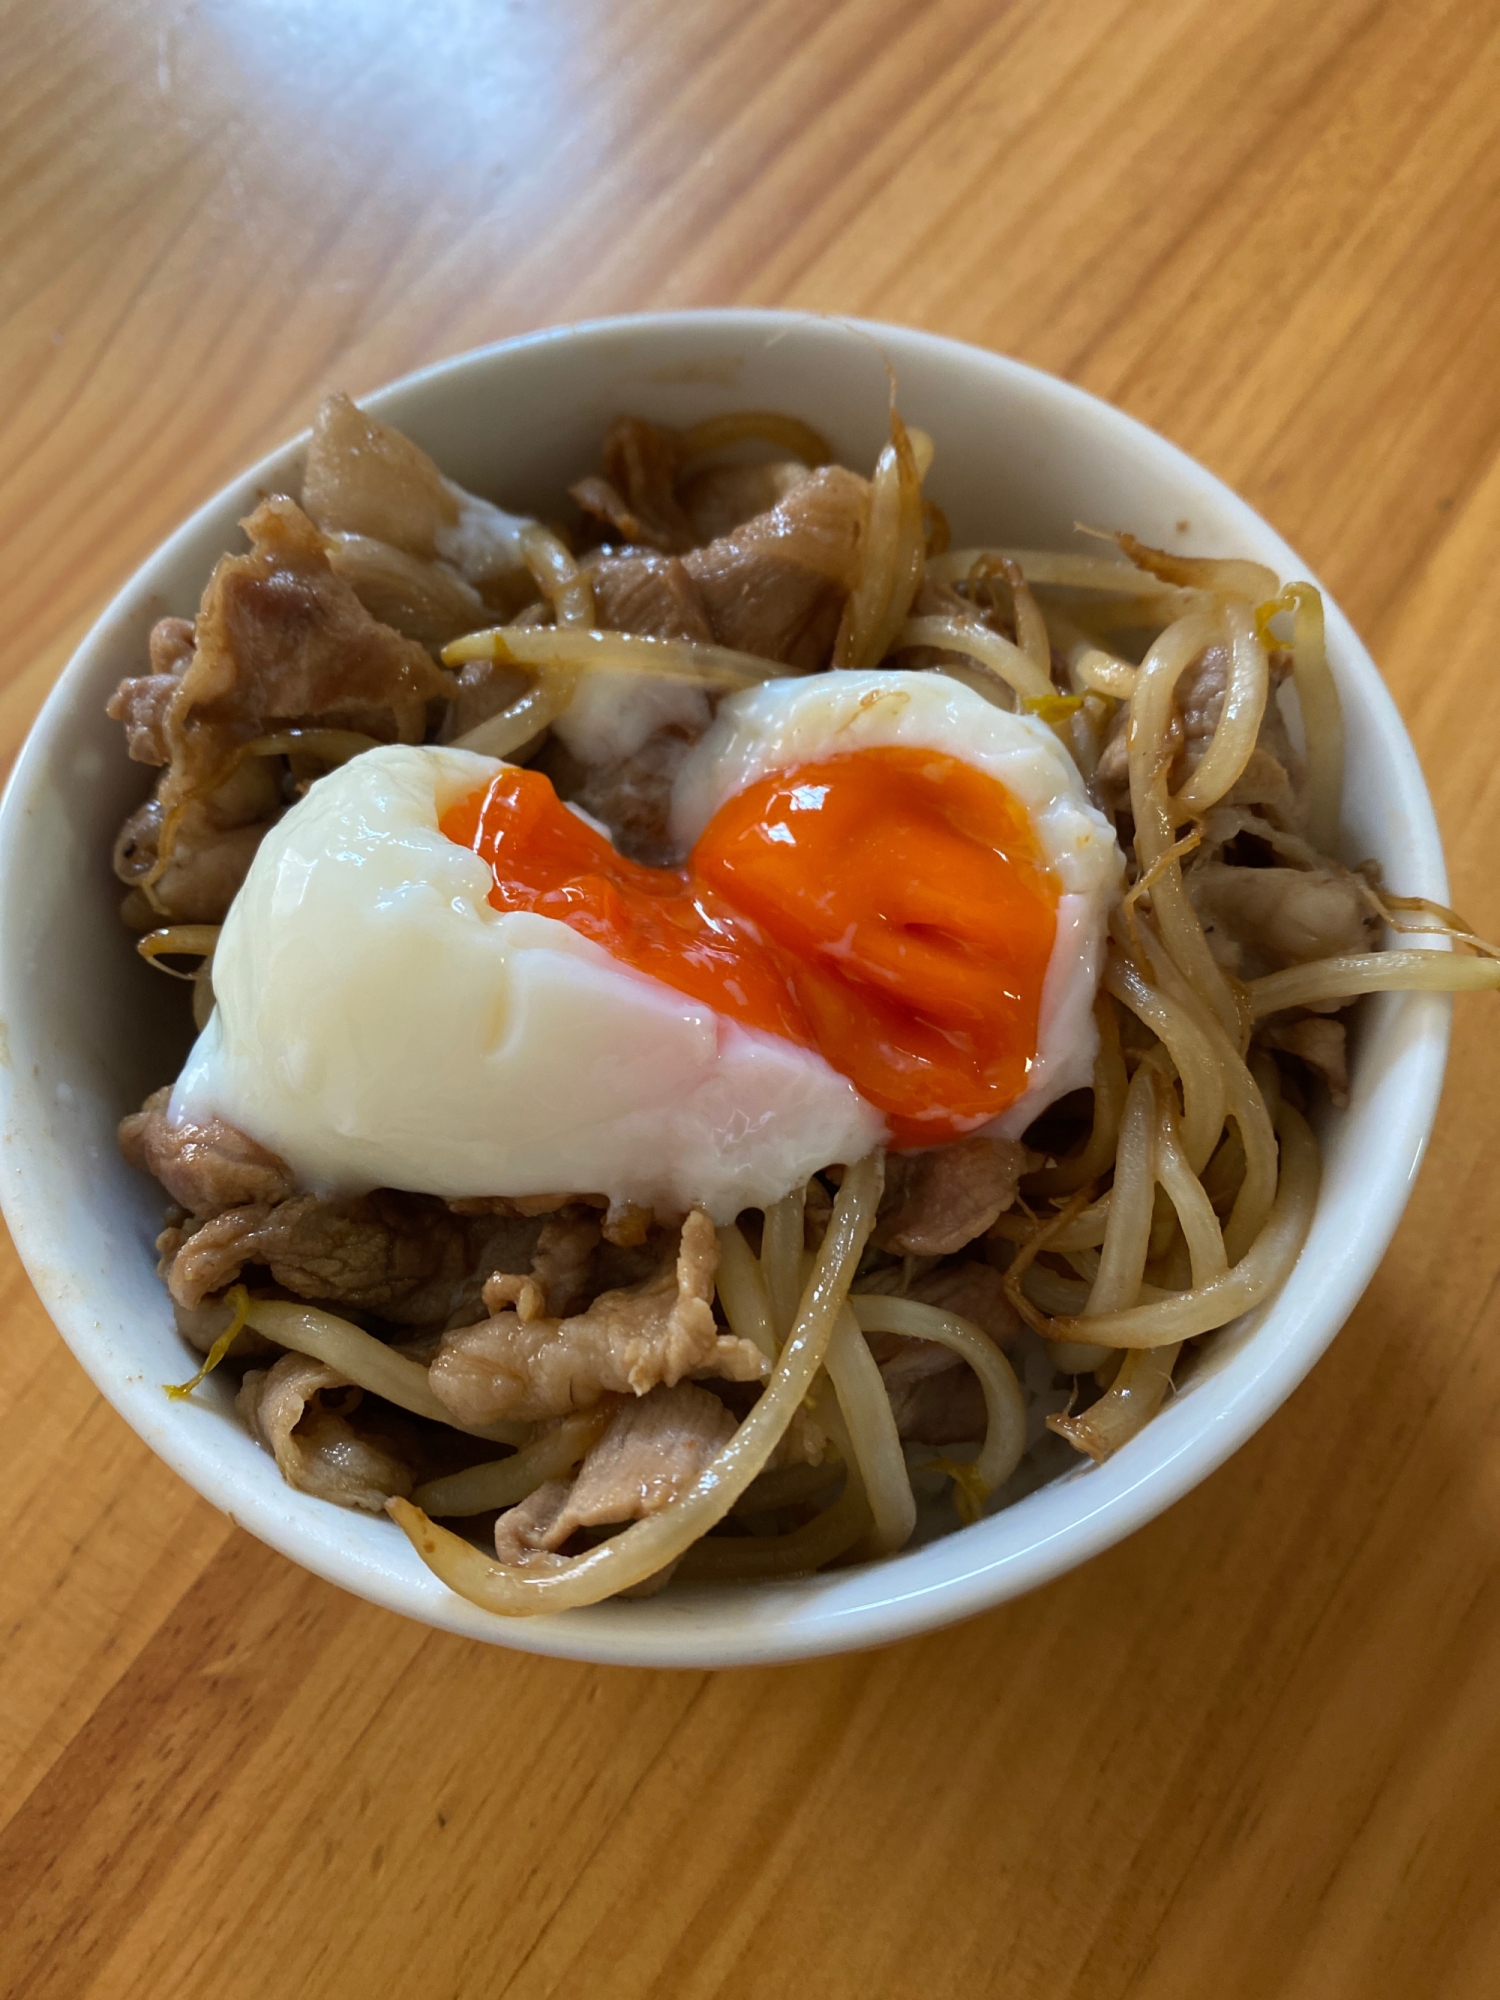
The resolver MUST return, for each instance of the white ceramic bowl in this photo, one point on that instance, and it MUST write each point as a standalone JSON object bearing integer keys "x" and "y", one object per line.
{"x": 1020, "y": 458}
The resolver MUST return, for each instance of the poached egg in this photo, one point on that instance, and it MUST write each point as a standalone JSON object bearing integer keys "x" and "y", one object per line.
{"x": 888, "y": 929}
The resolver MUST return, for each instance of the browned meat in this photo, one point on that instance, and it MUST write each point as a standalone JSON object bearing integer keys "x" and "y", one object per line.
{"x": 1315, "y": 1040}
{"x": 281, "y": 642}
{"x": 652, "y": 596}
{"x": 171, "y": 645}
{"x": 626, "y": 1224}
{"x": 481, "y": 690}
{"x": 428, "y": 601}
{"x": 207, "y": 1168}
{"x": 420, "y": 553}
{"x": 405, "y": 1257}
{"x": 944, "y": 1407}
{"x": 776, "y": 585}
{"x": 517, "y": 1204}
{"x": 975, "y": 1292}
{"x": 561, "y": 1266}
{"x": 215, "y": 842}
{"x": 938, "y": 1201}
{"x": 942, "y": 600}
{"x": 1266, "y": 784}
{"x": 652, "y": 1451}
{"x": 1254, "y": 840}
{"x": 627, "y": 1341}
{"x": 1110, "y": 786}
{"x": 1200, "y": 701}
{"x": 1260, "y": 919}
{"x": 316, "y": 1449}
{"x": 364, "y": 478}
{"x": 717, "y": 499}
{"x": 142, "y": 704}
{"x": 1269, "y": 781}
{"x": 636, "y": 495}
{"x": 632, "y": 797}
{"x": 204, "y": 875}
{"x": 935, "y": 1395}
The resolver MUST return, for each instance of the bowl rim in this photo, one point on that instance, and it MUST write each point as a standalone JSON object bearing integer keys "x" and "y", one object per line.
{"x": 878, "y": 1603}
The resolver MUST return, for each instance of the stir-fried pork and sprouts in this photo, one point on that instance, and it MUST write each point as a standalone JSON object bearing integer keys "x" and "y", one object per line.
{"x": 729, "y": 1022}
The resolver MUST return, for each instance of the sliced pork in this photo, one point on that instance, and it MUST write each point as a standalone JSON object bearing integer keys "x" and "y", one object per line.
{"x": 652, "y": 1451}
{"x": 534, "y": 1366}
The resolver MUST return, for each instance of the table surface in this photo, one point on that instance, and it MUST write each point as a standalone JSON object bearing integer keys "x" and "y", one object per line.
{"x": 1254, "y": 1751}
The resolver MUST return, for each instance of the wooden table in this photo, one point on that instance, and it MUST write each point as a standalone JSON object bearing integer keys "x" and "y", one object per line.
{"x": 1256, "y": 1750}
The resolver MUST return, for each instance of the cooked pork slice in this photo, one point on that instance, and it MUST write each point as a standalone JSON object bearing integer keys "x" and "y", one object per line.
{"x": 938, "y": 1201}
{"x": 636, "y": 495}
{"x": 1269, "y": 779}
{"x": 628, "y": 1340}
{"x": 776, "y": 585}
{"x": 420, "y": 553}
{"x": 651, "y": 1452}
{"x": 976, "y": 1292}
{"x": 936, "y": 1396}
{"x": 943, "y": 1406}
{"x": 428, "y": 601}
{"x": 364, "y": 478}
{"x": 1258, "y": 920}
{"x": 1110, "y": 785}
{"x": 214, "y": 841}
{"x": 632, "y": 796}
{"x": 1315, "y": 1040}
{"x": 560, "y": 1266}
{"x": 943, "y": 600}
{"x": 717, "y": 499}
{"x": 170, "y": 646}
{"x": 141, "y": 704}
{"x": 283, "y": 641}
{"x": 406, "y": 1257}
{"x": 482, "y": 688}
{"x": 1200, "y": 701}
{"x": 1254, "y": 839}
{"x": 206, "y": 1168}
{"x": 203, "y": 877}
{"x": 317, "y": 1450}
{"x": 651, "y": 596}
{"x": 1267, "y": 785}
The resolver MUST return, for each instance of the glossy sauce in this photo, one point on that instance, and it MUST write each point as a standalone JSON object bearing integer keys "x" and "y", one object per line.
{"x": 888, "y": 908}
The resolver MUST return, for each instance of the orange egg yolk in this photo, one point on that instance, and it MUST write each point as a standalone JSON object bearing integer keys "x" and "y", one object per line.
{"x": 888, "y": 908}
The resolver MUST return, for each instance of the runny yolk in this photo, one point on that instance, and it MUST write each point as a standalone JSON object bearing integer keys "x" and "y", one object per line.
{"x": 889, "y": 908}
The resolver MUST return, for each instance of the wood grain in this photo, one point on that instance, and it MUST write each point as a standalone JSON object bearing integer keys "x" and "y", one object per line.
{"x": 1256, "y": 1750}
